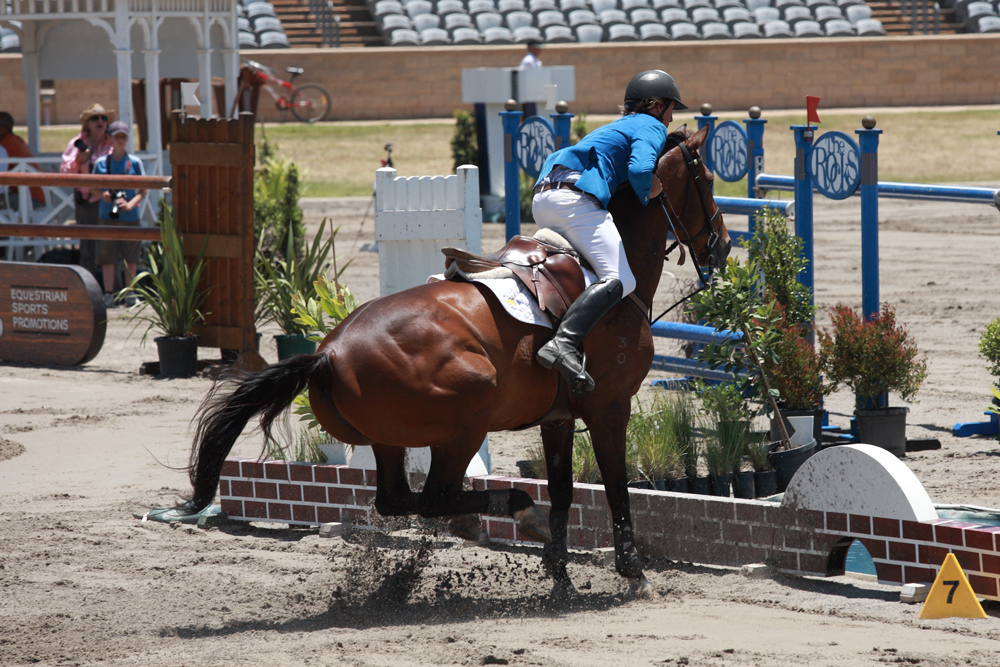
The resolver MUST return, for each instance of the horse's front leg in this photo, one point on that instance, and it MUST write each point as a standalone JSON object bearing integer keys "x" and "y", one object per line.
{"x": 557, "y": 440}
{"x": 607, "y": 430}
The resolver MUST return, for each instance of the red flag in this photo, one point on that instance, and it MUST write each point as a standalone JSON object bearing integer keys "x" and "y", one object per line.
{"x": 812, "y": 104}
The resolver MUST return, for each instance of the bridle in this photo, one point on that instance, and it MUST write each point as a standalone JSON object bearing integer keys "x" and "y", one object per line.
{"x": 692, "y": 161}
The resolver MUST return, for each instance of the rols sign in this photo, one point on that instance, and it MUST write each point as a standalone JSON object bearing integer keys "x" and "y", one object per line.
{"x": 50, "y": 314}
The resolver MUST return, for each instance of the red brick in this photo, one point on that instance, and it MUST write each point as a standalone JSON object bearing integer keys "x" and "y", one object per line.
{"x": 499, "y": 529}
{"x": 876, "y": 548}
{"x": 918, "y": 530}
{"x": 364, "y": 497}
{"x": 497, "y": 483}
{"x": 311, "y": 493}
{"x": 749, "y": 513}
{"x": 860, "y": 524}
{"x": 765, "y": 536}
{"x": 340, "y": 495}
{"x": 786, "y": 560}
{"x": 276, "y": 470}
{"x": 735, "y": 533}
{"x": 969, "y": 560}
{"x": 230, "y": 468}
{"x": 371, "y": 478}
{"x": 918, "y": 575}
{"x": 223, "y": 487}
{"x": 720, "y": 510}
{"x": 888, "y": 572}
{"x": 797, "y": 539}
{"x": 885, "y": 527}
{"x": 579, "y": 539}
{"x": 574, "y": 516}
{"x": 304, "y": 513}
{"x": 251, "y": 469}
{"x": 354, "y": 515}
{"x": 279, "y": 511}
{"x": 706, "y": 531}
{"x": 241, "y": 489}
{"x": 991, "y": 564}
{"x": 638, "y": 500}
{"x": 290, "y": 492}
{"x": 351, "y": 476}
{"x": 811, "y": 519}
{"x": 232, "y": 507}
{"x": 813, "y": 563}
{"x": 948, "y": 535}
{"x": 326, "y": 474}
{"x": 693, "y": 507}
{"x": 836, "y": 521}
{"x": 593, "y": 518}
{"x": 976, "y": 538}
{"x": 300, "y": 472}
{"x": 903, "y": 551}
{"x": 983, "y": 586}
{"x": 928, "y": 554}
{"x": 266, "y": 490}
{"x": 254, "y": 510}
{"x": 584, "y": 495}
{"x": 328, "y": 514}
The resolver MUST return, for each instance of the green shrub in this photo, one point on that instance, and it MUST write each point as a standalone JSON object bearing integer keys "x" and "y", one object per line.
{"x": 276, "y": 187}
{"x": 464, "y": 145}
{"x": 989, "y": 348}
{"x": 776, "y": 253}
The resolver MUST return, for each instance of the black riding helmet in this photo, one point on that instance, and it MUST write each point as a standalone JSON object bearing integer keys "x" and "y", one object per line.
{"x": 654, "y": 84}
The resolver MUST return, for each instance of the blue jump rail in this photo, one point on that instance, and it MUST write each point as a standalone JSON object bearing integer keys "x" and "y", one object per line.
{"x": 690, "y": 367}
{"x": 893, "y": 190}
{"x": 745, "y": 206}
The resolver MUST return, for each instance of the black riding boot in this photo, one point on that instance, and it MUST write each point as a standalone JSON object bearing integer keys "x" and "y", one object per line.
{"x": 563, "y": 349}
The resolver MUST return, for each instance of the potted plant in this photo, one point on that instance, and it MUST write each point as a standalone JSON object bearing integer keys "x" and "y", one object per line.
{"x": 170, "y": 299}
{"x": 874, "y": 357}
{"x": 728, "y": 415}
{"x": 758, "y": 450}
{"x": 989, "y": 349}
{"x": 680, "y": 418}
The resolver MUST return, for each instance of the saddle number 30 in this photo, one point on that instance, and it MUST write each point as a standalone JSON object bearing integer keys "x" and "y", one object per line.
{"x": 622, "y": 344}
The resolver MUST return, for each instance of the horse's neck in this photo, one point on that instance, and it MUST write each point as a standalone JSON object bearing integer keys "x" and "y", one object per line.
{"x": 644, "y": 240}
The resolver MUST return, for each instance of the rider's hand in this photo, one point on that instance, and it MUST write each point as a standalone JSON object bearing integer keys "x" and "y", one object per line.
{"x": 656, "y": 189}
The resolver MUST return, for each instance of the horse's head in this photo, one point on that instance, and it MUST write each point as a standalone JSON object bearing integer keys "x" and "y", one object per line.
{"x": 691, "y": 211}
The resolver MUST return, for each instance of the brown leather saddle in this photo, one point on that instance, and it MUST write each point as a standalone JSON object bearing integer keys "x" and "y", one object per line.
{"x": 551, "y": 273}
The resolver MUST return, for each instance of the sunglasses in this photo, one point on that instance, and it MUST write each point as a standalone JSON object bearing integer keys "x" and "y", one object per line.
{"x": 104, "y": 118}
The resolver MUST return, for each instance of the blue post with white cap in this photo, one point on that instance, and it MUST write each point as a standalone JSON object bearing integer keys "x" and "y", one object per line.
{"x": 512, "y": 178}
{"x": 868, "y": 141}
{"x": 804, "y": 201}
{"x": 755, "y": 156}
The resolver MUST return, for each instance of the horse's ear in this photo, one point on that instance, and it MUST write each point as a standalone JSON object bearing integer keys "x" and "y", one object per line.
{"x": 698, "y": 138}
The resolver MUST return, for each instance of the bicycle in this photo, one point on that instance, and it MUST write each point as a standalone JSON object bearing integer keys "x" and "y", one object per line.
{"x": 309, "y": 102}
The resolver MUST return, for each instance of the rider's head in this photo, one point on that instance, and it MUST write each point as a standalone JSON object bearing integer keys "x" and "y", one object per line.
{"x": 651, "y": 92}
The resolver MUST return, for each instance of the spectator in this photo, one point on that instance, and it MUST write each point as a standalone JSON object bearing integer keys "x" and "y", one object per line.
{"x": 15, "y": 146}
{"x": 119, "y": 207}
{"x": 530, "y": 59}
{"x": 79, "y": 157}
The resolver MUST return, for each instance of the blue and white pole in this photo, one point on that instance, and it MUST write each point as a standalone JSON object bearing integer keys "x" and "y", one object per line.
{"x": 804, "y": 201}
{"x": 562, "y": 122}
{"x": 868, "y": 141}
{"x": 511, "y": 119}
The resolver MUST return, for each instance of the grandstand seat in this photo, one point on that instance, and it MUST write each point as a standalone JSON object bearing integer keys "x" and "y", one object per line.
{"x": 838, "y": 28}
{"x": 794, "y": 13}
{"x": 538, "y": 6}
{"x": 826, "y": 13}
{"x": 423, "y": 22}
{"x": 746, "y": 30}
{"x": 660, "y": 5}
{"x": 599, "y": 6}
{"x": 716, "y": 30}
{"x": 610, "y": 17}
{"x": 568, "y": 6}
{"x": 265, "y": 23}
{"x": 733, "y": 15}
{"x": 754, "y": 4}
{"x": 394, "y": 22}
{"x": 808, "y": 29}
{"x": 404, "y": 38}
{"x": 870, "y": 28}
{"x": 272, "y": 39}
{"x": 815, "y": 4}
{"x": 241, "y": 10}
{"x": 558, "y": 34}
{"x": 445, "y": 7}
{"x": 777, "y": 28}
{"x": 434, "y": 37}
{"x": 520, "y": 19}
{"x": 684, "y": 31}
{"x": 247, "y": 40}
{"x": 642, "y": 16}
{"x": 582, "y": 17}
{"x": 589, "y": 34}
{"x": 243, "y": 23}
{"x": 722, "y": 5}
{"x": 550, "y": 17}
{"x": 507, "y": 6}
{"x": 260, "y": 9}
{"x": 498, "y": 35}
{"x": 784, "y": 4}
{"x": 629, "y": 5}
{"x": 857, "y": 13}
{"x": 649, "y": 32}
{"x": 416, "y": 8}
{"x": 672, "y": 15}
{"x": 844, "y": 4}
{"x": 989, "y": 24}
{"x": 527, "y": 34}
{"x": 486, "y": 20}
{"x": 702, "y": 15}
{"x": 622, "y": 32}
{"x": 974, "y": 11}
{"x": 466, "y": 36}
{"x": 386, "y": 7}
{"x": 691, "y": 5}
{"x": 454, "y": 21}
{"x": 477, "y": 7}
{"x": 764, "y": 15}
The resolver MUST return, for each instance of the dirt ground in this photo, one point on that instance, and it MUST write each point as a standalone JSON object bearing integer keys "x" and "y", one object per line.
{"x": 84, "y": 582}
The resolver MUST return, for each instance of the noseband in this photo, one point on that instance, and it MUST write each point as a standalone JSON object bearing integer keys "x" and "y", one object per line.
{"x": 692, "y": 161}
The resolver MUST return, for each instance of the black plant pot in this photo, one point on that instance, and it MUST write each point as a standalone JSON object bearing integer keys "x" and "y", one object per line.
{"x": 679, "y": 485}
{"x": 290, "y": 345}
{"x": 765, "y": 483}
{"x": 787, "y": 462}
{"x": 885, "y": 428}
{"x": 743, "y": 486}
{"x": 660, "y": 485}
{"x": 721, "y": 485}
{"x": 526, "y": 469}
{"x": 641, "y": 484}
{"x": 700, "y": 485}
{"x": 178, "y": 356}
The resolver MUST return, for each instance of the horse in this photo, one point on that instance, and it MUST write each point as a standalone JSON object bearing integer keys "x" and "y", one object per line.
{"x": 442, "y": 364}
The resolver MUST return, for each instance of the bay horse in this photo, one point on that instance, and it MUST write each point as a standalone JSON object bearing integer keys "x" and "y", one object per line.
{"x": 442, "y": 364}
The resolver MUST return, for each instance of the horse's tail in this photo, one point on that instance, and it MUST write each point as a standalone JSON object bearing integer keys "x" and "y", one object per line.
{"x": 227, "y": 409}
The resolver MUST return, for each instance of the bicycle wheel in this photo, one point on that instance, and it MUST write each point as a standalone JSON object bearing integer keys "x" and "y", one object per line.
{"x": 310, "y": 103}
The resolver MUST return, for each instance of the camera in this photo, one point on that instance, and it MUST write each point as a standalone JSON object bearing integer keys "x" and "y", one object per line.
{"x": 81, "y": 145}
{"x": 115, "y": 196}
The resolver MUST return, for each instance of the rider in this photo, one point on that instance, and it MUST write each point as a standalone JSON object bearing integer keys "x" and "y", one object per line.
{"x": 571, "y": 198}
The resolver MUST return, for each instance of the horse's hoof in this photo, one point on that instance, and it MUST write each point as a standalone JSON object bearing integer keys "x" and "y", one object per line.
{"x": 469, "y": 527}
{"x": 641, "y": 588}
{"x": 533, "y": 525}
{"x": 563, "y": 589}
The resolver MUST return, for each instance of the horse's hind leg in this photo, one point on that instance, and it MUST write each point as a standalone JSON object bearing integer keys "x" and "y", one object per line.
{"x": 393, "y": 496}
{"x": 557, "y": 440}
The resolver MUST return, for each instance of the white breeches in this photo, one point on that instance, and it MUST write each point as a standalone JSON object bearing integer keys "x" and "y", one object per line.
{"x": 589, "y": 228}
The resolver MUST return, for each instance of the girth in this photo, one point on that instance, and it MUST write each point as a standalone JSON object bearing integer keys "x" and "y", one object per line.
{"x": 552, "y": 274}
